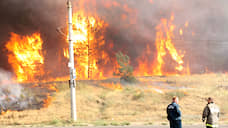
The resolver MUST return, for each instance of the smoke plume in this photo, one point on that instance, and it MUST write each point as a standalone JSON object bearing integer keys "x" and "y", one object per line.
{"x": 131, "y": 27}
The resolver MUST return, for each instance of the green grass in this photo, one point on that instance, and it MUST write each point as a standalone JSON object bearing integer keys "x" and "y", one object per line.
{"x": 125, "y": 123}
{"x": 101, "y": 123}
{"x": 58, "y": 122}
{"x": 55, "y": 122}
{"x": 149, "y": 123}
{"x": 164, "y": 123}
{"x": 110, "y": 123}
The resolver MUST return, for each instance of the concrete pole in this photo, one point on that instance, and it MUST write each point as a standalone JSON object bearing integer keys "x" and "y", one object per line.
{"x": 72, "y": 81}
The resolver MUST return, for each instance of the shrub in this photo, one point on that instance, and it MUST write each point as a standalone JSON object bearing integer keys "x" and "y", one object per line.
{"x": 125, "y": 70}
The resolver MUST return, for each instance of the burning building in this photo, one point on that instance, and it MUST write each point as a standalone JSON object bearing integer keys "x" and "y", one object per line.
{"x": 161, "y": 38}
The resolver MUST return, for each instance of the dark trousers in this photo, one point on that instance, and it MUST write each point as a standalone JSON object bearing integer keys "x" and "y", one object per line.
{"x": 209, "y": 127}
{"x": 175, "y": 124}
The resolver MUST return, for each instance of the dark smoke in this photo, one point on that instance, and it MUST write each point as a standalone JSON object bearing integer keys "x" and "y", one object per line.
{"x": 131, "y": 27}
{"x": 26, "y": 17}
{"x": 208, "y": 20}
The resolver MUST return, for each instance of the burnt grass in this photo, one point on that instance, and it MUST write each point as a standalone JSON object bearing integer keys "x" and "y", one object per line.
{"x": 32, "y": 96}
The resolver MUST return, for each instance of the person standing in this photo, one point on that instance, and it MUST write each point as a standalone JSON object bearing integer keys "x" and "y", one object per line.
{"x": 174, "y": 113}
{"x": 211, "y": 113}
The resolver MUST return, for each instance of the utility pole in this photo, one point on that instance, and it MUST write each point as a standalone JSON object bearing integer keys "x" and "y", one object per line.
{"x": 72, "y": 81}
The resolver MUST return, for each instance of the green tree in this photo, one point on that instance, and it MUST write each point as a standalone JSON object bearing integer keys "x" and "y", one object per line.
{"x": 125, "y": 70}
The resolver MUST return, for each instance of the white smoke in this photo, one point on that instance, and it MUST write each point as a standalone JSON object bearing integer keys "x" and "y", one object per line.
{"x": 12, "y": 94}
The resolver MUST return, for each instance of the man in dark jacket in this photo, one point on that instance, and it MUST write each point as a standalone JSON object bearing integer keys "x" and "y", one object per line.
{"x": 211, "y": 112}
{"x": 174, "y": 114}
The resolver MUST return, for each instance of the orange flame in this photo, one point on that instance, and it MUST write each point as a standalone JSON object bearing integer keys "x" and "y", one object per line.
{"x": 26, "y": 56}
{"x": 164, "y": 46}
{"x": 164, "y": 43}
{"x": 181, "y": 32}
{"x": 47, "y": 101}
{"x": 85, "y": 46}
{"x": 5, "y": 112}
{"x": 188, "y": 72}
{"x": 186, "y": 24}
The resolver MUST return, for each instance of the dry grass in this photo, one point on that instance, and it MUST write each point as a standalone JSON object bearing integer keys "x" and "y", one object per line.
{"x": 137, "y": 103}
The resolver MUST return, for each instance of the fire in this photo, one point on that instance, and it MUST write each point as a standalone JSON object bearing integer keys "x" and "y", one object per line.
{"x": 181, "y": 32}
{"x": 164, "y": 46}
{"x": 188, "y": 72}
{"x": 186, "y": 24}
{"x": 5, "y": 112}
{"x": 47, "y": 101}
{"x": 25, "y": 56}
{"x": 86, "y": 45}
{"x": 112, "y": 85}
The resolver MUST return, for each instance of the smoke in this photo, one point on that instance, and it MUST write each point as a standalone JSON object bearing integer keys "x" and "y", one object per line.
{"x": 204, "y": 40}
{"x": 27, "y": 17}
{"x": 12, "y": 95}
{"x": 131, "y": 27}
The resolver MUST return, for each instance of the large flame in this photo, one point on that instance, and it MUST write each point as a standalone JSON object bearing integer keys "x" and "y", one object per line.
{"x": 27, "y": 59}
{"x": 26, "y": 56}
{"x": 164, "y": 46}
{"x": 87, "y": 45}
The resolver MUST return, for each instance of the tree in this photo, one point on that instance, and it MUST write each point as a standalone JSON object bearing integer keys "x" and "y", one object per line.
{"x": 125, "y": 70}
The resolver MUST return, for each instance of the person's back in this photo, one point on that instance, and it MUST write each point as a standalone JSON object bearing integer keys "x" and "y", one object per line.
{"x": 211, "y": 112}
{"x": 174, "y": 114}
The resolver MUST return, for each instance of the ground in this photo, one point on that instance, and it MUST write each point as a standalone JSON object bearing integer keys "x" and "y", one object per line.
{"x": 105, "y": 102}
{"x": 158, "y": 126}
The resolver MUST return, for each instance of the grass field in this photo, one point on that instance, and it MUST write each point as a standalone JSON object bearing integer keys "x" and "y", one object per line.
{"x": 142, "y": 103}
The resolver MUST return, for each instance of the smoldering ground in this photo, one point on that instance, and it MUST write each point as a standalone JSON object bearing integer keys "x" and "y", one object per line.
{"x": 14, "y": 96}
{"x": 131, "y": 27}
